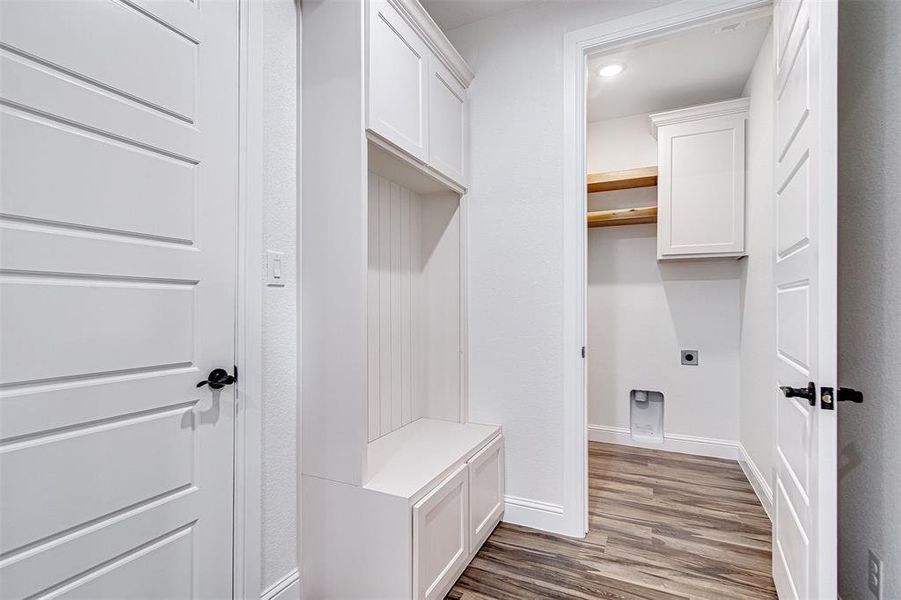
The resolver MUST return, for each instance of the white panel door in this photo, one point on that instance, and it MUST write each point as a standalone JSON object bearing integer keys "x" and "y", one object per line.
{"x": 398, "y": 63}
{"x": 804, "y": 524}
{"x": 441, "y": 537}
{"x": 118, "y": 178}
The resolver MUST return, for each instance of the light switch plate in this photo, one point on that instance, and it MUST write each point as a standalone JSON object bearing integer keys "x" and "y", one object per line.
{"x": 275, "y": 268}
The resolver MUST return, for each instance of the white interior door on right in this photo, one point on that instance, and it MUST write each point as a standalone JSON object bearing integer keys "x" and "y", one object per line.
{"x": 804, "y": 498}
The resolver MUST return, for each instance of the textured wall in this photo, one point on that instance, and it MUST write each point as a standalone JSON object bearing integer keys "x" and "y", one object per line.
{"x": 869, "y": 292}
{"x": 279, "y": 407}
{"x": 516, "y": 231}
{"x": 758, "y": 310}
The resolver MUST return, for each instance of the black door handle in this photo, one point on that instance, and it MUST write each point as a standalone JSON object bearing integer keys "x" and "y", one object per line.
{"x": 809, "y": 393}
{"x": 218, "y": 379}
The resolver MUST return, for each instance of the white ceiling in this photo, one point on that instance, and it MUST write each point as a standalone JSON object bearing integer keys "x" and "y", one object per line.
{"x": 450, "y": 14}
{"x": 701, "y": 65}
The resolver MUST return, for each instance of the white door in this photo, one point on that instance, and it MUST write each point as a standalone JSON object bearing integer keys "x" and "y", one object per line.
{"x": 118, "y": 163}
{"x": 804, "y": 524}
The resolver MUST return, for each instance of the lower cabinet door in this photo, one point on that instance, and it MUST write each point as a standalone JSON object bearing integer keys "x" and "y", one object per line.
{"x": 486, "y": 491}
{"x": 441, "y": 536}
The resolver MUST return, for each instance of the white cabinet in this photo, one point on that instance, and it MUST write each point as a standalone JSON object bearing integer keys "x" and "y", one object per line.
{"x": 701, "y": 180}
{"x": 416, "y": 89}
{"x": 486, "y": 492}
{"x": 448, "y": 124}
{"x": 385, "y": 113}
{"x": 441, "y": 537}
{"x": 398, "y": 81}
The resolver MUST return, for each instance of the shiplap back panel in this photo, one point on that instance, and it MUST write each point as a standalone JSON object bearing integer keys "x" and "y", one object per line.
{"x": 413, "y": 307}
{"x": 393, "y": 305}
{"x": 440, "y": 308}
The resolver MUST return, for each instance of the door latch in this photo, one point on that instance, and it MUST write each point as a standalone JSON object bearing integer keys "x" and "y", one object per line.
{"x": 828, "y": 397}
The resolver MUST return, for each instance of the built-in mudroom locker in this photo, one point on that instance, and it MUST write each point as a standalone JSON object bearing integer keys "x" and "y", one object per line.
{"x": 680, "y": 318}
{"x": 400, "y": 489}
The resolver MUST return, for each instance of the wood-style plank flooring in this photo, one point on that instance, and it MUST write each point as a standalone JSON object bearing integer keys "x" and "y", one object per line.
{"x": 662, "y": 526}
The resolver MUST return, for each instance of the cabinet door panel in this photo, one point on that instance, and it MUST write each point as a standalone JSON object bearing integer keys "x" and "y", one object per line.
{"x": 486, "y": 492}
{"x": 448, "y": 117}
{"x": 701, "y": 188}
{"x": 441, "y": 536}
{"x": 398, "y": 81}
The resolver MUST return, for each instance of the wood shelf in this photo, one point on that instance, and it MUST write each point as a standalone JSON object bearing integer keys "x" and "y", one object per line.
{"x": 622, "y": 180}
{"x": 622, "y": 216}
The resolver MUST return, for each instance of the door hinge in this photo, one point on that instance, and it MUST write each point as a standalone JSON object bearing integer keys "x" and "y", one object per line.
{"x": 583, "y": 351}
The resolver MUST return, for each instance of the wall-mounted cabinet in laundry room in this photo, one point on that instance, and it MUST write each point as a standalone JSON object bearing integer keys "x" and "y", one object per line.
{"x": 701, "y": 180}
{"x": 416, "y": 101}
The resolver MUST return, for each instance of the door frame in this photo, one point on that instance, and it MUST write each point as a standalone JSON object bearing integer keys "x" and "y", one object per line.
{"x": 578, "y": 44}
{"x": 247, "y": 499}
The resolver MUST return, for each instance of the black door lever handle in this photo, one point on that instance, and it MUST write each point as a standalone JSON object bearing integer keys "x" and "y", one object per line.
{"x": 218, "y": 379}
{"x": 809, "y": 393}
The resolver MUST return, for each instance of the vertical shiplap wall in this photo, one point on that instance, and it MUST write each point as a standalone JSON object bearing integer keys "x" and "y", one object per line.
{"x": 393, "y": 318}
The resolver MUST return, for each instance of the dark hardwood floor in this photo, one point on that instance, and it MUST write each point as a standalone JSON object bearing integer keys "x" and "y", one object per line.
{"x": 662, "y": 526}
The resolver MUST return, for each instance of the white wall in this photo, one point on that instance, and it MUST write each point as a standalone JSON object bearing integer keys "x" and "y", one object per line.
{"x": 279, "y": 407}
{"x": 869, "y": 326}
{"x": 642, "y": 312}
{"x": 758, "y": 318}
{"x": 618, "y": 144}
{"x": 516, "y": 231}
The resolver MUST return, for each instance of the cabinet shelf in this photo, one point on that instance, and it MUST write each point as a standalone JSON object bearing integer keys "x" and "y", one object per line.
{"x": 622, "y": 216}
{"x": 622, "y": 180}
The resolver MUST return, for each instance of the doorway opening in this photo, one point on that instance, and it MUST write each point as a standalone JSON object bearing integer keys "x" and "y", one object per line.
{"x": 679, "y": 326}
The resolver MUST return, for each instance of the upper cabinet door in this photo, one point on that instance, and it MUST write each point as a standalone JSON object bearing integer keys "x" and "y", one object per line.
{"x": 398, "y": 81}
{"x": 448, "y": 124}
{"x": 701, "y": 181}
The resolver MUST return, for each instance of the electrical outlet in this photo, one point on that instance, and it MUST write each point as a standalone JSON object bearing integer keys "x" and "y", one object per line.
{"x": 875, "y": 575}
{"x": 690, "y": 357}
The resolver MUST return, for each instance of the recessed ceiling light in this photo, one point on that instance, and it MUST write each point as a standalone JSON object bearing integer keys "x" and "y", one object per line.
{"x": 611, "y": 70}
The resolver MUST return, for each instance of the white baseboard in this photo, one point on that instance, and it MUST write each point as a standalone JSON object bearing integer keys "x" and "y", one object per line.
{"x": 758, "y": 481}
{"x": 286, "y": 588}
{"x": 672, "y": 442}
{"x": 534, "y": 514}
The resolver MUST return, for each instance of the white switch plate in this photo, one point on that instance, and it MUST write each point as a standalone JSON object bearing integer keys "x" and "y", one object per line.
{"x": 275, "y": 268}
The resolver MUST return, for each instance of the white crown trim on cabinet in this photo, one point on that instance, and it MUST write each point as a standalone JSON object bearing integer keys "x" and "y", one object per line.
{"x": 704, "y": 111}
{"x": 428, "y": 30}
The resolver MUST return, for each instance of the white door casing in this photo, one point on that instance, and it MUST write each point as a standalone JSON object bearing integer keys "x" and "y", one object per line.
{"x": 804, "y": 520}
{"x": 118, "y": 197}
